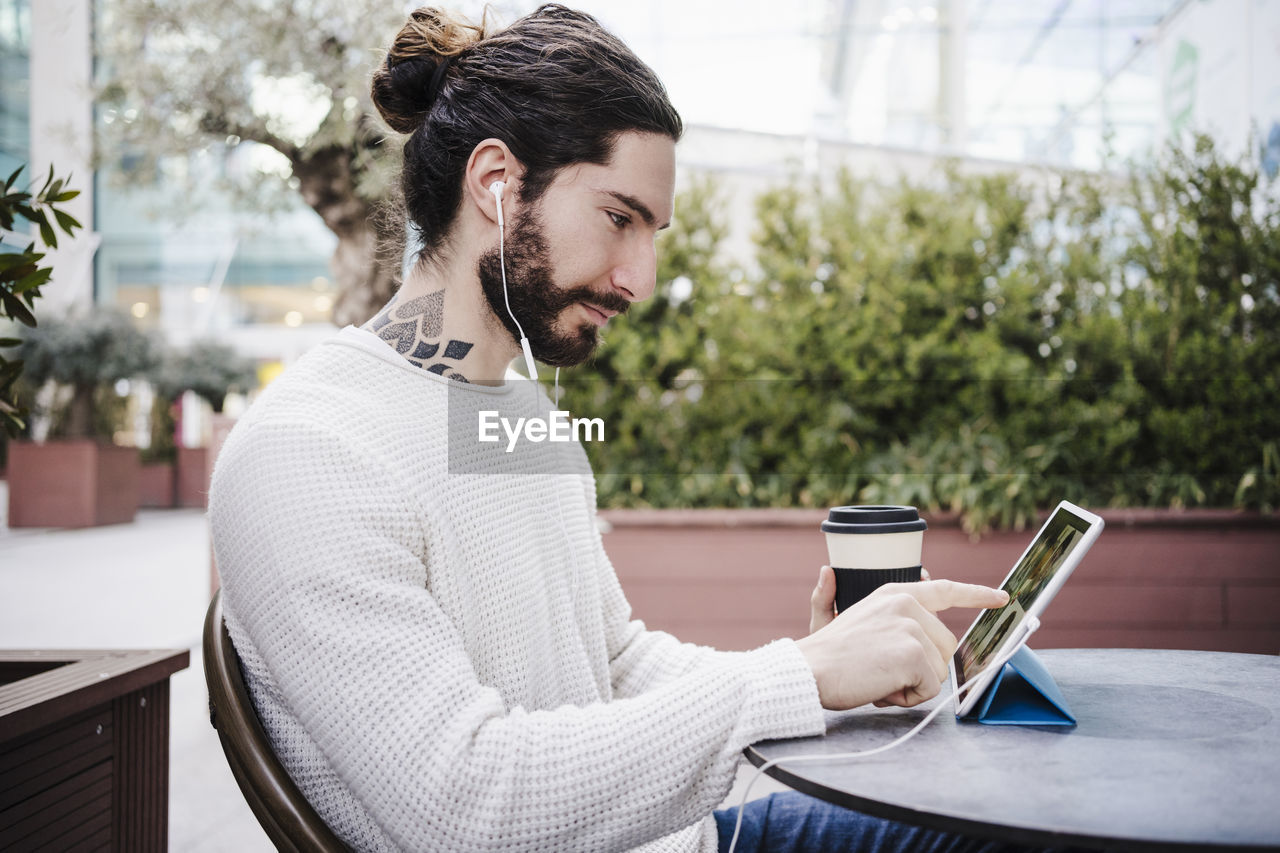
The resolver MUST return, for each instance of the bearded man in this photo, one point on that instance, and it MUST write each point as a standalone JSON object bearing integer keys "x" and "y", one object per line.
{"x": 431, "y": 631}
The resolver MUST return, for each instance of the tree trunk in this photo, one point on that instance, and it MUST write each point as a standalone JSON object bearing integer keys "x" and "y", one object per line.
{"x": 79, "y": 422}
{"x": 366, "y": 278}
{"x": 365, "y": 264}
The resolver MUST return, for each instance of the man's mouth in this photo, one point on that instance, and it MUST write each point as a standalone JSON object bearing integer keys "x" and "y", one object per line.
{"x": 597, "y": 315}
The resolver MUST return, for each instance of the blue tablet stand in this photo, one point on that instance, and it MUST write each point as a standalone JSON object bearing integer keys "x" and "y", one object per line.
{"x": 1023, "y": 694}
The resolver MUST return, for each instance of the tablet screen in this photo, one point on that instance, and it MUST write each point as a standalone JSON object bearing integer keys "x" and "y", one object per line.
{"x": 1028, "y": 579}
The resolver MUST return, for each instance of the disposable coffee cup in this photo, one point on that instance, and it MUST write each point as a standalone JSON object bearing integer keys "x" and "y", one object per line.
{"x": 870, "y": 546}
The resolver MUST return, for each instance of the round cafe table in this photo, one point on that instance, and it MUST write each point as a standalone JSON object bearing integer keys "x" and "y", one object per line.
{"x": 1173, "y": 750}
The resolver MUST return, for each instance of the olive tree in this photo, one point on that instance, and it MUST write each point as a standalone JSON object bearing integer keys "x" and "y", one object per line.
{"x": 181, "y": 76}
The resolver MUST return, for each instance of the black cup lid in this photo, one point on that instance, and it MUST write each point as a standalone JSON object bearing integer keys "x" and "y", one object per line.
{"x": 873, "y": 519}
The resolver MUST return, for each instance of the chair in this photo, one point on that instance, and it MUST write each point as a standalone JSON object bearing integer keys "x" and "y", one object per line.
{"x": 290, "y": 822}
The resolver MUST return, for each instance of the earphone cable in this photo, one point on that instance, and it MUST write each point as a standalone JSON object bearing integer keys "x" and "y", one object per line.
{"x": 502, "y": 264}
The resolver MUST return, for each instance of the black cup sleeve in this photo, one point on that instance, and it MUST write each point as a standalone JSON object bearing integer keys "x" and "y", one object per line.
{"x": 853, "y": 585}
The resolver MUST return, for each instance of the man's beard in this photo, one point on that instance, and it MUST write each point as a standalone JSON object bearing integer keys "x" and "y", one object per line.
{"x": 537, "y": 301}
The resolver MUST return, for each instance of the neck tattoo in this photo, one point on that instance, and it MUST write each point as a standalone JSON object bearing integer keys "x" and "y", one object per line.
{"x": 413, "y": 329}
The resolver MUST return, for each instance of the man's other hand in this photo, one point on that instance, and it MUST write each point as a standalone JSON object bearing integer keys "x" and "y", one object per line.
{"x": 890, "y": 648}
{"x": 822, "y": 603}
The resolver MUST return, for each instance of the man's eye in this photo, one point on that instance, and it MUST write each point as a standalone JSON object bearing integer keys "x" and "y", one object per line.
{"x": 619, "y": 220}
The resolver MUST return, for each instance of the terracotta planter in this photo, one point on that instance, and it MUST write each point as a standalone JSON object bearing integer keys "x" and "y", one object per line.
{"x": 737, "y": 579}
{"x": 76, "y": 483}
{"x": 156, "y": 485}
{"x": 194, "y": 466}
{"x": 193, "y": 477}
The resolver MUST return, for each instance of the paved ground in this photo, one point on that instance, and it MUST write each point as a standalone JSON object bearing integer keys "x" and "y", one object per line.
{"x": 146, "y": 585}
{"x": 140, "y": 585}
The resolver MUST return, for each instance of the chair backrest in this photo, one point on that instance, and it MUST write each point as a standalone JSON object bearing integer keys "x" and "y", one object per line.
{"x": 289, "y": 820}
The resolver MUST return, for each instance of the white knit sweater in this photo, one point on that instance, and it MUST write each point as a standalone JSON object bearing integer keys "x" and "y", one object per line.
{"x": 437, "y": 644}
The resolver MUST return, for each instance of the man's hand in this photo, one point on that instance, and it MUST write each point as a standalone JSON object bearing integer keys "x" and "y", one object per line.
{"x": 889, "y": 648}
{"x": 823, "y": 601}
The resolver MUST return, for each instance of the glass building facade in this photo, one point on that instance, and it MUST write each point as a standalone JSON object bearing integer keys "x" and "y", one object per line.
{"x": 15, "y": 85}
{"x": 209, "y": 269}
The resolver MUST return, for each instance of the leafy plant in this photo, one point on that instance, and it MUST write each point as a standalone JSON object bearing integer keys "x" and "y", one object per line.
{"x": 87, "y": 353}
{"x": 208, "y": 368}
{"x": 22, "y": 275}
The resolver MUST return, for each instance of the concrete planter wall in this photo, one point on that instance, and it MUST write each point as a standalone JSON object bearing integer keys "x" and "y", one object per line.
{"x": 195, "y": 464}
{"x": 736, "y": 579}
{"x": 75, "y": 483}
{"x": 192, "y": 473}
{"x": 156, "y": 485}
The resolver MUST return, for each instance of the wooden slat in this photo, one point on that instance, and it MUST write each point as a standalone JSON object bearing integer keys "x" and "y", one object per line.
{"x": 11, "y": 671}
{"x": 92, "y": 833}
{"x": 88, "y": 671}
{"x": 56, "y": 656}
{"x": 141, "y": 790}
{"x": 53, "y": 736}
{"x": 29, "y": 704}
{"x": 69, "y": 762}
{"x": 86, "y": 826}
{"x": 53, "y": 806}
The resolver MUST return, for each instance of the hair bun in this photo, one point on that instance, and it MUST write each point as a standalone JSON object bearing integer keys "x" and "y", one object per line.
{"x": 402, "y": 87}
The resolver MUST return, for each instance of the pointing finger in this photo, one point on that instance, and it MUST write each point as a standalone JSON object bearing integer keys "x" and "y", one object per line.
{"x": 939, "y": 636}
{"x": 943, "y": 594}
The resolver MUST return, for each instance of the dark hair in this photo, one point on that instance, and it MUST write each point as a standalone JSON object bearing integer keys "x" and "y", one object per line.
{"x": 555, "y": 86}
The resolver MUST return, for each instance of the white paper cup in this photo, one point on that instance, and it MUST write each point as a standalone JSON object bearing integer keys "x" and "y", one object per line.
{"x": 870, "y": 546}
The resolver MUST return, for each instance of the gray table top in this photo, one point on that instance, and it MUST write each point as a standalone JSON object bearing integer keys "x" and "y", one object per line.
{"x": 1173, "y": 749}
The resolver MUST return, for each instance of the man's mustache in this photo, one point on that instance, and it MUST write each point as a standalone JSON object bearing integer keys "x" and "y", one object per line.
{"x": 609, "y": 301}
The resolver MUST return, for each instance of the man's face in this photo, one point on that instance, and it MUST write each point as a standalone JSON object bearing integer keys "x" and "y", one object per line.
{"x": 585, "y": 251}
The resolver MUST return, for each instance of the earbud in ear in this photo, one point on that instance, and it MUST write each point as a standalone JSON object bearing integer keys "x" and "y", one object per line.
{"x": 496, "y": 188}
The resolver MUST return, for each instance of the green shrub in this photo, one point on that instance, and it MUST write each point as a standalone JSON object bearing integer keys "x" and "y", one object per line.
{"x": 207, "y": 368}
{"x": 971, "y": 343}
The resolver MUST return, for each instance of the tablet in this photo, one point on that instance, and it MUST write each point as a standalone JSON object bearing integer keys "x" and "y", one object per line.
{"x": 1036, "y": 578}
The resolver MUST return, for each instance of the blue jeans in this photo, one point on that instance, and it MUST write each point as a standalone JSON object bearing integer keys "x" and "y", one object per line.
{"x": 791, "y": 822}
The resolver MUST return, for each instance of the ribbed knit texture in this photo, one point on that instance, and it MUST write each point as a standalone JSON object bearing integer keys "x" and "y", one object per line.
{"x": 445, "y": 661}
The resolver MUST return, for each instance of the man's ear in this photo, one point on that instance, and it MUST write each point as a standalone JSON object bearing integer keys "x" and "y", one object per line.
{"x": 491, "y": 160}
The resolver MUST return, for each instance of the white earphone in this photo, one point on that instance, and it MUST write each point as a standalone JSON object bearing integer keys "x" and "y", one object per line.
{"x": 496, "y": 188}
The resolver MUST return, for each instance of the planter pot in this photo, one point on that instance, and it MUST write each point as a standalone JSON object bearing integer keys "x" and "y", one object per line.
{"x": 193, "y": 477}
{"x": 77, "y": 483}
{"x": 84, "y": 743}
{"x": 156, "y": 485}
{"x": 736, "y": 579}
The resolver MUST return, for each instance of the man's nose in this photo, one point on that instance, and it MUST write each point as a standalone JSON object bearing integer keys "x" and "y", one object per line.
{"x": 635, "y": 277}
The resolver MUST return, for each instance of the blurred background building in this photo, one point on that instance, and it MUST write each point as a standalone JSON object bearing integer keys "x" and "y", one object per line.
{"x": 875, "y": 84}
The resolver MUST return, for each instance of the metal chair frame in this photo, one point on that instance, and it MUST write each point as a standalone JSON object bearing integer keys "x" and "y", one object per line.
{"x": 289, "y": 821}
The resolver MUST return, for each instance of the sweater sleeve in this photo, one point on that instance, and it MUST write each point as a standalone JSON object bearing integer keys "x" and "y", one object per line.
{"x": 320, "y": 555}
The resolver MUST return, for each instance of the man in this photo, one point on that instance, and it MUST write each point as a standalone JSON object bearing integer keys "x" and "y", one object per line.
{"x": 432, "y": 633}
